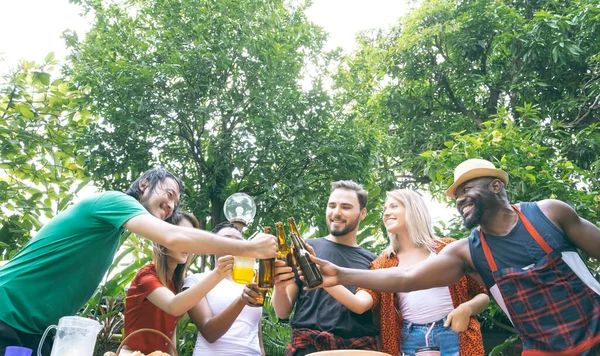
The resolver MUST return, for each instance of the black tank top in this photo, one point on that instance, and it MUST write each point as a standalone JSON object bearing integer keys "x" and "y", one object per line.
{"x": 517, "y": 249}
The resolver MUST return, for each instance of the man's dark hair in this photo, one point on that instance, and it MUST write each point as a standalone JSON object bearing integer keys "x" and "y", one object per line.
{"x": 361, "y": 193}
{"x": 153, "y": 177}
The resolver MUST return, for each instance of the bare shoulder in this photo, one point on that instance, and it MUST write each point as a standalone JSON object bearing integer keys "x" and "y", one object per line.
{"x": 558, "y": 212}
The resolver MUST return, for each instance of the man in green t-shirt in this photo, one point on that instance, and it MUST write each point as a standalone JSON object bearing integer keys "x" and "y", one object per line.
{"x": 57, "y": 271}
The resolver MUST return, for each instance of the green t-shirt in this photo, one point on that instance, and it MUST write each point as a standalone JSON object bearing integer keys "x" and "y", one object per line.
{"x": 58, "y": 270}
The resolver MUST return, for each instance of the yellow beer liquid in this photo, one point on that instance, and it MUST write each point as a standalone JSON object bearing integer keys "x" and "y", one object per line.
{"x": 242, "y": 275}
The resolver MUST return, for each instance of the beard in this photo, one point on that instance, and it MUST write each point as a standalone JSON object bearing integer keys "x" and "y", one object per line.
{"x": 474, "y": 218}
{"x": 350, "y": 226}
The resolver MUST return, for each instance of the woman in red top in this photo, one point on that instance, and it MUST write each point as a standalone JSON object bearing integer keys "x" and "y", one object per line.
{"x": 154, "y": 299}
{"x": 406, "y": 317}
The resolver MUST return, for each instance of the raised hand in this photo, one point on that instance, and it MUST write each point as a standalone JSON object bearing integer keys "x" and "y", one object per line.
{"x": 263, "y": 246}
{"x": 225, "y": 265}
{"x": 329, "y": 271}
{"x": 284, "y": 275}
{"x": 249, "y": 295}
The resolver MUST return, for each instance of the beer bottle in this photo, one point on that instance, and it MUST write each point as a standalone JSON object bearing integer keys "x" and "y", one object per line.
{"x": 294, "y": 228}
{"x": 311, "y": 273}
{"x": 262, "y": 292}
{"x": 266, "y": 269}
{"x": 284, "y": 252}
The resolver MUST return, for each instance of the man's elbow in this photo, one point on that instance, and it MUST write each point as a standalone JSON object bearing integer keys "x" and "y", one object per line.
{"x": 282, "y": 313}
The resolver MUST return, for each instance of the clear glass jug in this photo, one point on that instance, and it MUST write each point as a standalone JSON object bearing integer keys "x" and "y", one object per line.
{"x": 75, "y": 336}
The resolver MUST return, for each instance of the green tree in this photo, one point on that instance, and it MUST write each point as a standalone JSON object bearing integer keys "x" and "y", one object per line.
{"x": 450, "y": 66}
{"x": 40, "y": 171}
{"x": 213, "y": 91}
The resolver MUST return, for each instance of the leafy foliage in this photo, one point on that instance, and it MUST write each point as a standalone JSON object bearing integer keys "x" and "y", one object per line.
{"x": 40, "y": 171}
{"x": 213, "y": 91}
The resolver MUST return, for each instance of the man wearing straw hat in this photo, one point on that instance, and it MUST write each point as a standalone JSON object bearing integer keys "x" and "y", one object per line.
{"x": 525, "y": 255}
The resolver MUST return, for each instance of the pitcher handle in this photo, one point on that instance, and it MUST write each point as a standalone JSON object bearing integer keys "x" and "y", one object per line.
{"x": 39, "y": 350}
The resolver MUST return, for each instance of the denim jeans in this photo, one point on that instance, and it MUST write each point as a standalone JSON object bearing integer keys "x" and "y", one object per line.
{"x": 413, "y": 337}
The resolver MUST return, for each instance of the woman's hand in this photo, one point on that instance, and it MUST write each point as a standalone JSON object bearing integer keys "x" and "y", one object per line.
{"x": 458, "y": 319}
{"x": 251, "y": 292}
{"x": 225, "y": 265}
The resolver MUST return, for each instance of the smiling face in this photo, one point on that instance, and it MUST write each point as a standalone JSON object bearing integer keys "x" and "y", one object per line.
{"x": 472, "y": 199}
{"x": 343, "y": 212}
{"x": 161, "y": 200}
{"x": 394, "y": 216}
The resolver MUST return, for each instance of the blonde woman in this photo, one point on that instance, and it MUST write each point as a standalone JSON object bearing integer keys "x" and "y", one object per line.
{"x": 406, "y": 317}
{"x": 154, "y": 299}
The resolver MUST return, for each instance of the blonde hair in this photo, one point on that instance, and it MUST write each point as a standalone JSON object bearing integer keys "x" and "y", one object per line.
{"x": 160, "y": 255}
{"x": 418, "y": 221}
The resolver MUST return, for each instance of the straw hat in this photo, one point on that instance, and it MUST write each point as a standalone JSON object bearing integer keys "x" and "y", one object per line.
{"x": 474, "y": 168}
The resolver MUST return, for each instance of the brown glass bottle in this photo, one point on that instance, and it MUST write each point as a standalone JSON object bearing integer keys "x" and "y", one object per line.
{"x": 294, "y": 228}
{"x": 266, "y": 269}
{"x": 284, "y": 252}
{"x": 262, "y": 292}
{"x": 311, "y": 273}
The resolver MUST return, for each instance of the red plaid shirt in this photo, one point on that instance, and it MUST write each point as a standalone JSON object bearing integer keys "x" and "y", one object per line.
{"x": 323, "y": 340}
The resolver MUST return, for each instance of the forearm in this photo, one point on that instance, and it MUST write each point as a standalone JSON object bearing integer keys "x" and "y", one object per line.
{"x": 282, "y": 303}
{"x": 179, "y": 238}
{"x": 477, "y": 304}
{"x": 203, "y": 242}
{"x": 394, "y": 280}
{"x": 185, "y": 300}
{"x": 350, "y": 300}
{"x": 218, "y": 325}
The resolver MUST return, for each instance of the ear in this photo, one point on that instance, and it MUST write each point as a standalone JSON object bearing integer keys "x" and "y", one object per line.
{"x": 143, "y": 185}
{"x": 495, "y": 186}
{"x": 363, "y": 214}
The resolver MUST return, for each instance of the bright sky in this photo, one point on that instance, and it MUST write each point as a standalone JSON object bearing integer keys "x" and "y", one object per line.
{"x": 32, "y": 28}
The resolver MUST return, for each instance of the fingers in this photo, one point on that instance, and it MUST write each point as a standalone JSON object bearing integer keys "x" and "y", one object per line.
{"x": 250, "y": 295}
{"x": 448, "y": 321}
{"x": 317, "y": 260}
{"x": 310, "y": 249}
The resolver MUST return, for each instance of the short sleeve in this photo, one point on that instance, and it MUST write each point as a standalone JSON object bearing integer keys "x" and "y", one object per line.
{"x": 116, "y": 208}
{"x": 146, "y": 282}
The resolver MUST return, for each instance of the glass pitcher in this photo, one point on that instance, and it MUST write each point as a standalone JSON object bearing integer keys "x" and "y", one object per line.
{"x": 75, "y": 336}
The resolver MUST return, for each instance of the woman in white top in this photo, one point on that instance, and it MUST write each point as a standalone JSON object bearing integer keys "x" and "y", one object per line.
{"x": 229, "y": 317}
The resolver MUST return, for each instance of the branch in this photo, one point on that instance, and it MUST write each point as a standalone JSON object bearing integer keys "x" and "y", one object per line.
{"x": 460, "y": 107}
{"x": 595, "y": 105}
{"x": 501, "y": 325}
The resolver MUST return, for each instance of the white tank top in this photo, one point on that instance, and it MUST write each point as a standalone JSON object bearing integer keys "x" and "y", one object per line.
{"x": 425, "y": 306}
{"x": 242, "y": 336}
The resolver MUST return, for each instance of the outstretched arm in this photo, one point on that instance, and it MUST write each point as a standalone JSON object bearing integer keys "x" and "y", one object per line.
{"x": 178, "y": 304}
{"x": 179, "y": 238}
{"x": 358, "y": 303}
{"x": 443, "y": 270}
{"x": 581, "y": 232}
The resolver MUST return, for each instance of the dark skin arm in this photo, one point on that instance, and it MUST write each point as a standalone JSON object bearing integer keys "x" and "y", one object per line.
{"x": 445, "y": 269}
{"x": 582, "y": 233}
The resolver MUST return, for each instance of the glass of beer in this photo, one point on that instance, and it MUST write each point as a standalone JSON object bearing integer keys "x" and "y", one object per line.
{"x": 243, "y": 269}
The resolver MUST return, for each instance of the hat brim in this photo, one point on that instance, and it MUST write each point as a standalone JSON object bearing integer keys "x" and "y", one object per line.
{"x": 476, "y": 173}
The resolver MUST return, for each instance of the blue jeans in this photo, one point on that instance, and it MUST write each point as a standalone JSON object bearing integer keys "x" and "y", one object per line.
{"x": 413, "y": 337}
